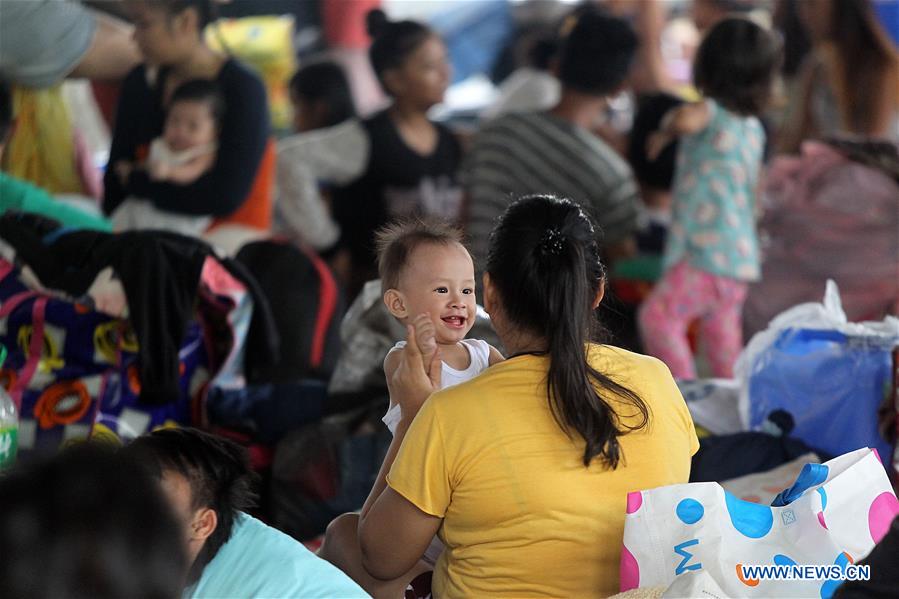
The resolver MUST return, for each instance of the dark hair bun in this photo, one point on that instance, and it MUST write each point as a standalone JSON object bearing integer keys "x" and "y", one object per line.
{"x": 376, "y": 22}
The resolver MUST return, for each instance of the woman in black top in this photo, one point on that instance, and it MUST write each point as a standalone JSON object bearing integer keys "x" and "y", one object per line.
{"x": 413, "y": 162}
{"x": 169, "y": 34}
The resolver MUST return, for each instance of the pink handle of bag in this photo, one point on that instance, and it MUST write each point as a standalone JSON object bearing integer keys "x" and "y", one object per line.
{"x": 35, "y": 349}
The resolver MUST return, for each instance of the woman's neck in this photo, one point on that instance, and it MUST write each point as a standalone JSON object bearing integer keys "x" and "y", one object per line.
{"x": 522, "y": 342}
{"x": 203, "y": 63}
{"x": 578, "y": 108}
{"x": 414, "y": 128}
{"x": 409, "y": 115}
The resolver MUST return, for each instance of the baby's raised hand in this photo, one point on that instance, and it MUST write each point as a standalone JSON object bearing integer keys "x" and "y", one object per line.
{"x": 426, "y": 337}
{"x": 158, "y": 170}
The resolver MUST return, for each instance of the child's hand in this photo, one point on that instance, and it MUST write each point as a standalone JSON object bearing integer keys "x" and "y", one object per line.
{"x": 426, "y": 337}
{"x": 656, "y": 144}
{"x": 158, "y": 170}
{"x": 414, "y": 379}
{"x": 186, "y": 174}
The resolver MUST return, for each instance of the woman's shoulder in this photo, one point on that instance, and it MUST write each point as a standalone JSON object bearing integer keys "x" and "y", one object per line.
{"x": 448, "y": 138}
{"x": 644, "y": 374}
{"x": 605, "y": 355}
{"x": 648, "y": 377}
{"x": 236, "y": 76}
{"x": 378, "y": 127}
{"x": 377, "y": 119}
{"x": 138, "y": 78}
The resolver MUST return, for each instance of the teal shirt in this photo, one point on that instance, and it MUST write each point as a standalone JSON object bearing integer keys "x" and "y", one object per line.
{"x": 713, "y": 224}
{"x": 260, "y": 561}
{"x": 25, "y": 197}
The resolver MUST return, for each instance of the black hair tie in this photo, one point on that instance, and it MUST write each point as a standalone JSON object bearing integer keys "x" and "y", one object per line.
{"x": 552, "y": 242}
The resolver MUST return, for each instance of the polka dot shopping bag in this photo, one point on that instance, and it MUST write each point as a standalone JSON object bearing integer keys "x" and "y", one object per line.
{"x": 830, "y": 519}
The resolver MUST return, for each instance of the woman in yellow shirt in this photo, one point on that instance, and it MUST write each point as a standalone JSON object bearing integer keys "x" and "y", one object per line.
{"x": 524, "y": 471}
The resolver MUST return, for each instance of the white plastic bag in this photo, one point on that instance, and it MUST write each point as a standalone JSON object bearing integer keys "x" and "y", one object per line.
{"x": 836, "y": 513}
{"x": 763, "y": 487}
{"x": 694, "y": 584}
{"x": 828, "y": 373}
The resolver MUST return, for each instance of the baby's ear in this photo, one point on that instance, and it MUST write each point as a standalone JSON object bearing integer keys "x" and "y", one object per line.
{"x": 396, "y": 303}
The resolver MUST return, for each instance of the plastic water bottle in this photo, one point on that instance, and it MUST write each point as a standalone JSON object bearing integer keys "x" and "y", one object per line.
{"x": 9, "y": 424}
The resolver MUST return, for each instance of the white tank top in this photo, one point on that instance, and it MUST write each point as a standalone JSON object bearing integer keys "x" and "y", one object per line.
{"x": 478, "y": 350}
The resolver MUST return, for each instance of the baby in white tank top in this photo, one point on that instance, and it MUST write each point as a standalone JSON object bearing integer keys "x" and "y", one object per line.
{"x": 427, "y": 277}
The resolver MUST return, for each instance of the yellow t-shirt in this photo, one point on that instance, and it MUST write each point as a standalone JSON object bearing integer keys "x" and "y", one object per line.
{"x": 522, "y": 515}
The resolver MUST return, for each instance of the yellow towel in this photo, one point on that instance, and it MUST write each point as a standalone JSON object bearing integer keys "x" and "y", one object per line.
{"x": 42, "y": 148}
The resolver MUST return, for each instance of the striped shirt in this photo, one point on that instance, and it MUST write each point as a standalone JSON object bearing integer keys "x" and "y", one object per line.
{"x": 538, "y": 153}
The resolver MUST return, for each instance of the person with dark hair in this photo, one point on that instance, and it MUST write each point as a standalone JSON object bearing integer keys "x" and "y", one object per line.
{"x": 321, "y": 96}
{"x": 22, "y": 196}
{"x": 786, "y": 20}
{"x": 330, "y": 148}
{"x": 182, "y": 154}
{"x": 849, "y": 83}
{"x": 238, "y": 184}
{"x": 411, "y": 161}
{"x": 654, "y": 175}
{"x": 524, "y": 470}
{"x": 87, "y": 524}
{"x": 532, "y": 86}
{"x": 555, "y": 152}
{"x": 208, "y": 481}
{"x": 712, "y": 251}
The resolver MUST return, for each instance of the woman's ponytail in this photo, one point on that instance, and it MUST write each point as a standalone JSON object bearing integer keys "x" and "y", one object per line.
{"x": 544, "y": 261}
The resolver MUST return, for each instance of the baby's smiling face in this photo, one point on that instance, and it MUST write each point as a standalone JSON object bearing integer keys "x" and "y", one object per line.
{"x": 189, "y": 124}
{"x": 439, "y": 280}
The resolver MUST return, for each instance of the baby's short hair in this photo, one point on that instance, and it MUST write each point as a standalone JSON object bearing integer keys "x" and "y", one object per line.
{"x": 201, "y": 90}
{"x": 396, "y": 242}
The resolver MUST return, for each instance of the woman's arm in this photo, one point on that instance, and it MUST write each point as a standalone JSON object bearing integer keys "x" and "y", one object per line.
{"x": 410, "y": 382}
{"x": 112, "y": 53}
{"x": 650, "y": 21}
{"x": 798, "y": 124}
{"x": 242, "y": 143}
{"x": 886, "y": 107}
{"x": 393, "y": 532}
{"x": 185, "y": 174}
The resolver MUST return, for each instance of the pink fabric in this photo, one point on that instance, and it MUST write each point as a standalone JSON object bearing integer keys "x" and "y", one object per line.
{"x": 826, "y": 217}
{"x": 219, "y": 280}
{"x": 35, "y": 352}
{"x": 685, "y": 294}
